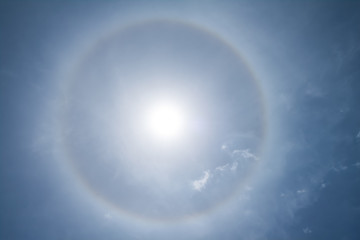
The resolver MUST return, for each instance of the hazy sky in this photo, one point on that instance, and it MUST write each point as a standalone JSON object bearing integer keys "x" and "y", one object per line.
{"x": 180, "y": 120}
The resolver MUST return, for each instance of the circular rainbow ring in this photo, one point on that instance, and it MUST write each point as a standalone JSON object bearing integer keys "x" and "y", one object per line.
{"x": 69, "y": 159}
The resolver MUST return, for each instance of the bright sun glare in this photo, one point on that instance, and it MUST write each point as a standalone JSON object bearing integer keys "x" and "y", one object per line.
{"x": 166, "y": 120}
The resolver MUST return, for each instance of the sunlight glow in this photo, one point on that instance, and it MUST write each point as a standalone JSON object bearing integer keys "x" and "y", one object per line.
{"x": 165, "y": 120}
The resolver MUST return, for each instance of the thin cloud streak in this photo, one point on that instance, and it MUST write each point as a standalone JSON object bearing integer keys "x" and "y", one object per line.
{"x": 200, "y": 184}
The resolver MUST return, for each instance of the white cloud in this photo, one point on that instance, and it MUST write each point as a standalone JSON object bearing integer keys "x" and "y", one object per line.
{"x": 234, "y": 166}
{"x": 201, "y": 183}
{"x": 221, "y": 168}
{"x": 237, "y": 155}
{"x": 340, "y": 168}
{"x": 245, "y": 153}
{"x": 307, "y": 230}
{"x": 301, "y": 191}
{"x": 343, "y": 167}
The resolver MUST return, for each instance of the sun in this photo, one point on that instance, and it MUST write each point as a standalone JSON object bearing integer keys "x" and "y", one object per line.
{"x": 165, "y": 120}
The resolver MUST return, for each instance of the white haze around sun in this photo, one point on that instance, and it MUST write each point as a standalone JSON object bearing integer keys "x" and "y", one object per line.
{"x": 165, "y": 120}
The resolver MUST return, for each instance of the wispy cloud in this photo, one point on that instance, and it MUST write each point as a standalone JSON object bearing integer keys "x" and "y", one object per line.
{"x": 307, "y": 230}
{"x": 239, "y": 158}
{"x": 234, "y": 166}
{"x": 340, "y": 168}
{"x": 245, "y": 153}
{"x": 237, "y": 153}
{"x": 222, "y": 168}
{"x": 200, "y": 184}
{"x": 301, "y": 191}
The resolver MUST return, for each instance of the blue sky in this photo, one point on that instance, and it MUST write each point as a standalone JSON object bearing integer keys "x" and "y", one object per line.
{"x": 267, "y": 93}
